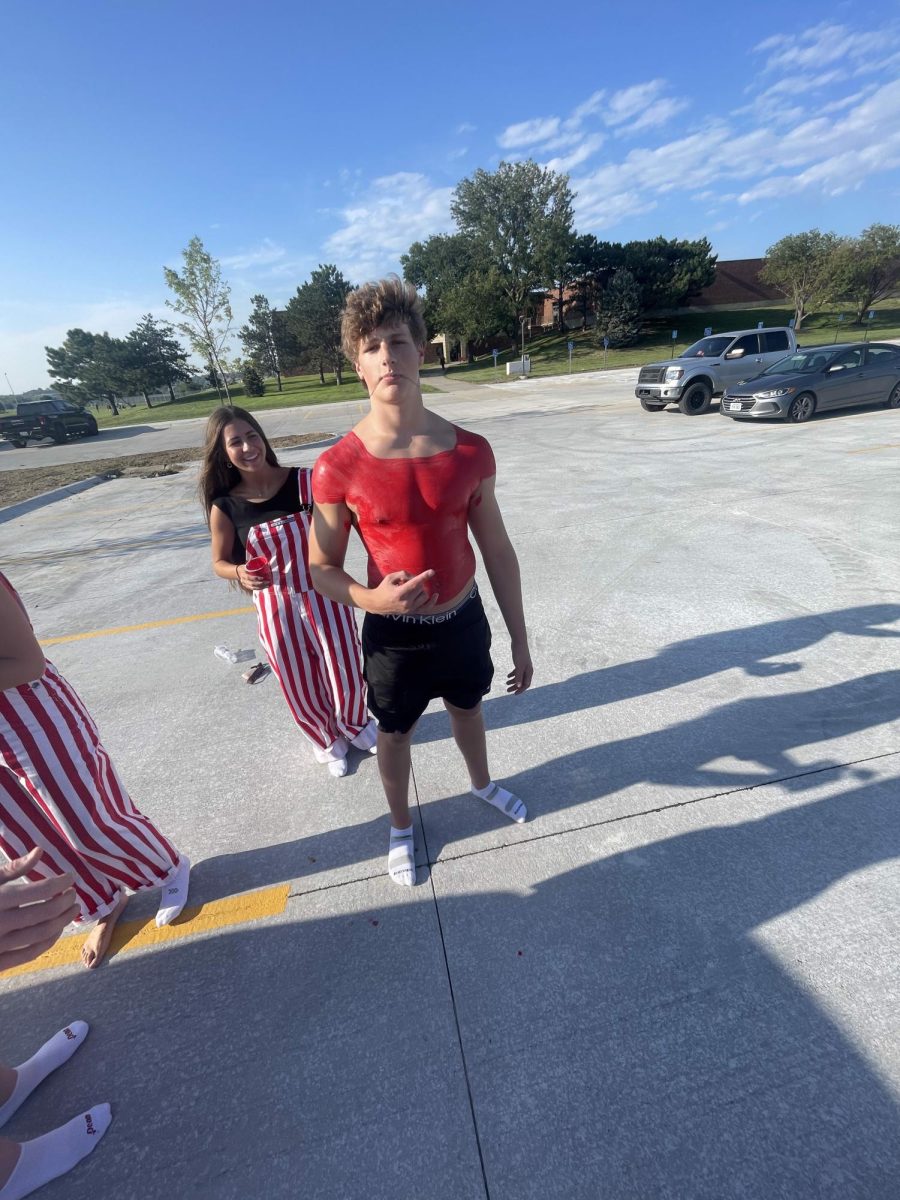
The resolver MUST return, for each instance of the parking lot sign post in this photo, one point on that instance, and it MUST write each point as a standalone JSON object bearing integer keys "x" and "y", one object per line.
{"x": 674, "y": 339}
{"x": 837, "y": 327}
{"x": 496, "y": 354}
{"x": 571, "y": 346}
{"x": 869, "y": 325}
{"x": 605, "y": 348}
{"x": 707, "y": 332}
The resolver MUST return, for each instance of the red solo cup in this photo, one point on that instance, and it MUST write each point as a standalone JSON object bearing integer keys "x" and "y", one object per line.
{"x": 258, "y": 567}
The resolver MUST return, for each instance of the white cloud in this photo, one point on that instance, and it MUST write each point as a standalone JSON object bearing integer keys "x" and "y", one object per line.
{"x": 830, "y": 153}
{"x": 627, "y": 103}
{"x": 587, "y": 147}
{"x": 395, "y": 211}
{"x": 528, "y": 133}
{"x": 465, "y": 128}
{"x": 818, "y": 46}
{"x": 265, "y": 253}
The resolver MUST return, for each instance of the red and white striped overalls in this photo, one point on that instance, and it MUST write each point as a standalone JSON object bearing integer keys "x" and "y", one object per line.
{"x": 59, "y": 790}
{"x": 311, "y": 642}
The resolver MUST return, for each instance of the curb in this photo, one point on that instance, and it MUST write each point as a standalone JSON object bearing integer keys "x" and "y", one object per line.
{"x": 60, "y": 493}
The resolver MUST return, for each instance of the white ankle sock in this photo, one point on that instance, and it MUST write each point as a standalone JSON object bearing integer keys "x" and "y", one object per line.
{"x": 53, "y": 1154}
{"x": 337, "y": 749}
{"x": 337, "y": 767}
{"x": 401, "y": 859}
{"x": 507, "y": 803}
{"x": 174, "y": 893}
{"x": 51, "y": 1055}
{"x": 367, "y": 737}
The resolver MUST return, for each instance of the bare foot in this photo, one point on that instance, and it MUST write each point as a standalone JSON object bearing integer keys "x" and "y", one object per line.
{"x": 97, "y": 941}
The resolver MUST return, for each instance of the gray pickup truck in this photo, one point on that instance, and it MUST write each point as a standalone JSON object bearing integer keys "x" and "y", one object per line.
{"x": 710, "y": 366}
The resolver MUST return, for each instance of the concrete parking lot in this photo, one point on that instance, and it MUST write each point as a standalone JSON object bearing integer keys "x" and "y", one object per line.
{"x": 678, "y": 979}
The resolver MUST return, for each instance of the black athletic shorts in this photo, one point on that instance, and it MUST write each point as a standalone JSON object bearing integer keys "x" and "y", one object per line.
{"x": 407, "y": 663}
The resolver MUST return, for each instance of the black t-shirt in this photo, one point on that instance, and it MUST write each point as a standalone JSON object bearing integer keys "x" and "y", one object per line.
{"x": 244, "y": 514}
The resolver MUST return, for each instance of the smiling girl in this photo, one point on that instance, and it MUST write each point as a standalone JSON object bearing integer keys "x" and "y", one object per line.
{"x": 259, "y": 509}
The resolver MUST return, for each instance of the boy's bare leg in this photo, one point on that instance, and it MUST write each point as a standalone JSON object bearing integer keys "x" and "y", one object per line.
{"x": 394, "y": 766}
{"x": 467, "y": 725}
{"x": 468, "y": 732}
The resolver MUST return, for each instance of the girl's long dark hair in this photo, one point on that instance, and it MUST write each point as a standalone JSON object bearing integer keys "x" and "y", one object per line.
{"x": 218, "y": 475}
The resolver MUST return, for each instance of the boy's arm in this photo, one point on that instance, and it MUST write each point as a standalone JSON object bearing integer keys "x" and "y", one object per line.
{"x": 502, "y": 566}
{"x": 398, "y": 592}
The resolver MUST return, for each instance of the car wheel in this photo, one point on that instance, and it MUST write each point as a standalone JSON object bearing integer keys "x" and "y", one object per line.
{"x": 695, "y": 399}
{"x": 893, "y": 400}
{"x": 92, "y": 430}
{"x": 19, "y": 445}
{"x": 802, "y": 408}
{"x": 58, "y": 433}
{"x": 648, "y": 407}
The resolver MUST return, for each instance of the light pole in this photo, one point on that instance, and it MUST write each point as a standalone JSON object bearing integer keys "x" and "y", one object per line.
{"x": 523, "y": 345}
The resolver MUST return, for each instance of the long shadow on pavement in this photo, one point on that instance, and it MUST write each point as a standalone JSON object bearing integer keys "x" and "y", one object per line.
{"x": 628, "y": 1029}
{"x": 749, "y": 649}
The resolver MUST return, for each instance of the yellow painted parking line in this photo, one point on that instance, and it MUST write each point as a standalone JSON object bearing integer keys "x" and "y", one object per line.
{"x": 873, "y": 449}
{"x": 80, "y": 637}
{"x": 137, "y": 935}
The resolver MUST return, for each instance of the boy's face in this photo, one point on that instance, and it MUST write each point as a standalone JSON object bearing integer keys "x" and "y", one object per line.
{"x": 389, "y": 361}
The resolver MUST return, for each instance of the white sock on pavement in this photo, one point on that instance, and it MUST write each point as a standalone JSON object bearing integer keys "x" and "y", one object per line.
{"x": 401, "y": 858}
{"x": 334, "y": 758}
{"x": 51, "y": 1055}
{"x": 505, "y": 801}
{"x": 174, "y": 893}
{"x": 53, "y": 1154}
{"x": 367, "y": 738}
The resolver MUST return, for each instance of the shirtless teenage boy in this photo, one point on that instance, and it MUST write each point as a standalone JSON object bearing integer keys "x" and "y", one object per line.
{"x": 413, "y": 485}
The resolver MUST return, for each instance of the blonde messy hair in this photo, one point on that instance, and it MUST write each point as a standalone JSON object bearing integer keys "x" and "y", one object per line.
{"x": 390, "y": 301}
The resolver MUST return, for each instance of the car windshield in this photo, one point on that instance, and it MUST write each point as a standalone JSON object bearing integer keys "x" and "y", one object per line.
{"x": 801, "y": 362}
{"x": 708, "y": 347}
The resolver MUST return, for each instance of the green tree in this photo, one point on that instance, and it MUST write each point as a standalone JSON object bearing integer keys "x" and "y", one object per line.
{"x": 314, "y": 317}
{"x": 92, "y": 368}
{"x": 204, "y": 300}
{"x": 437, "y": 266}
{"x": 803, "y": 266}
{"x": 590, "y": 265}
{"x": 463, "y": 296}
{"x": 158, "y": 360}
{"x": 620, "y": 317}
{"x": 668, "y": 271}
{"x": 259, "y": 338}
{"x": 867, "y": 268}
{"x": 519, "y": 219}
{"x": 254, "y": 384}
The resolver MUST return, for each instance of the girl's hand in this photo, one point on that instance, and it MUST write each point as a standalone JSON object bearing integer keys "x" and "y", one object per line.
{"x": 251, "y": 583}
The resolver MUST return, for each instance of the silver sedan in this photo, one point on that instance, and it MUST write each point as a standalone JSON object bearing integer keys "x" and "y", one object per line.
{"x": 816, "y": 379}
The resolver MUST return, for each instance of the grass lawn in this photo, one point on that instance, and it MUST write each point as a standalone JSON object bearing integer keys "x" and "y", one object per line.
{"x": 549, "y": 354}
{"x": 298, "y": 390}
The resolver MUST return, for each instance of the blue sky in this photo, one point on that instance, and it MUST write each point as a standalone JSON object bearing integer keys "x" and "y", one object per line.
{"x": 286, "y": 135}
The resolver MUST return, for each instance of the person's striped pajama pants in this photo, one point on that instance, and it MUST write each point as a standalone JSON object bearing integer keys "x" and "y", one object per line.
{"x": 59, "y": 790}
{"x": 313, "y": 647}
{"x": 311, "y": 642}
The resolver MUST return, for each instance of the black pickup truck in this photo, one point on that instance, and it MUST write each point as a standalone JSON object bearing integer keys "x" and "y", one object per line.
{"x": 50, "y": 418}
